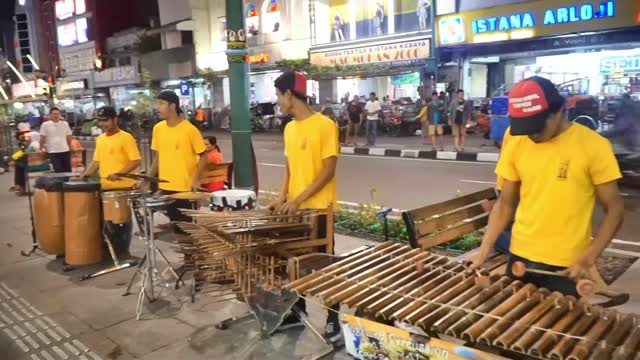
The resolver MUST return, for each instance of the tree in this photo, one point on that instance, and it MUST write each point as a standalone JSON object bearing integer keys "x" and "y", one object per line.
{"x": 145, "y": 101}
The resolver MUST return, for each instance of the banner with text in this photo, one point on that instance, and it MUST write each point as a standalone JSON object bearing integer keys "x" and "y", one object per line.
{"x": 405, "y": 53}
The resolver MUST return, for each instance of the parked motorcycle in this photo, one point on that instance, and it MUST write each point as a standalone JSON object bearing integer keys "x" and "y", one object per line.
{"x": 630, "y": 167}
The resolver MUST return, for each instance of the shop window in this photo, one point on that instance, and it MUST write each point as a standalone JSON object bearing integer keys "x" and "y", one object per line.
{"x": 252, "y": 20}
{"x": 271, "y": 10}
{"x": 412, "y": 15}
{"x": 339, "y": 17}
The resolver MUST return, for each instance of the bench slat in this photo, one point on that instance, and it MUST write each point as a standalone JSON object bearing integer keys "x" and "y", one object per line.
{"x": 453, "y": 233}
{"x": 443, "y": 207}
{"x": 439, "y": 223}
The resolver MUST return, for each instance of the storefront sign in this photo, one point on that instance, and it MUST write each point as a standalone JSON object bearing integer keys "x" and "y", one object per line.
{"x": 366, "y": 339}
{"x": 78, "y": 58}
{"x": 404, "y": 53}
{"x": 535, "y": 19}
{"x": 115, "y": 76}
{"x": 258, "y": 59}
{"x": 185, "y": 88}
{"x": 29, "y": 88}
{"x": 620, "y": 64}
{"x": 72, "y": 85}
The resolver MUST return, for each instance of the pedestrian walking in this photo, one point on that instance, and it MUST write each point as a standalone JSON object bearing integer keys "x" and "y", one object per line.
{"x": 354, "y": 113}
{"x": 55, "y": 140}
{"x": 373, "y": 110}
{"x": 431, "y": 118}
{"x": 460, "y": 111}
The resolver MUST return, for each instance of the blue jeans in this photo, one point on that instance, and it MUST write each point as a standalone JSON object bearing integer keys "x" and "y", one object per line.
{"x": 372, "y": 132}
{"x": 550, "y": 282}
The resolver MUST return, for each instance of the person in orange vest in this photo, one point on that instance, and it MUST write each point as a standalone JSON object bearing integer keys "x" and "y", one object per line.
{"x": 76, "y": 154}
{"x": 214, "y": 156}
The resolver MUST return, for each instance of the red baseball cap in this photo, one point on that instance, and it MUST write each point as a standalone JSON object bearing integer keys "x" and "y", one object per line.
{"x": 530, "y": 103}
{"x": 294, "y": 81}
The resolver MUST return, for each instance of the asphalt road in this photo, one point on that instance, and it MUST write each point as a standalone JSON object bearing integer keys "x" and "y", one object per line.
{"x": 403, "y": 183}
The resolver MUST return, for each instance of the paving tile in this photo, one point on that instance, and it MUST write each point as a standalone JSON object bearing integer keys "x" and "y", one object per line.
{"x": 145, "y": 336}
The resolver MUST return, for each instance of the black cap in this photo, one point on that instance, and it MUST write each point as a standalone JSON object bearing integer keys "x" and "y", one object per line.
{"x": 170, "y": 97}
{"x": 106, "y": 113}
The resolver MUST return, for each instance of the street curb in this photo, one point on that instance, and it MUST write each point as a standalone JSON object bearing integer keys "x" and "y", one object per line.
{"x": 421, "y": 154}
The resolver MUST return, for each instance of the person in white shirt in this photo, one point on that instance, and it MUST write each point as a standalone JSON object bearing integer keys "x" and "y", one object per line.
{"x": 373, "y": 110}
{"x": 55, "y": 140}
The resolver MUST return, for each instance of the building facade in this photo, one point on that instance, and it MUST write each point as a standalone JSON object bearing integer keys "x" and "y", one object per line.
{"x": 587, "y": 47}
{"x": 382, "y": 46}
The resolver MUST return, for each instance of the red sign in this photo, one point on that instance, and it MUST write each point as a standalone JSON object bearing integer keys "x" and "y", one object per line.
{"x": 258, "y": 59}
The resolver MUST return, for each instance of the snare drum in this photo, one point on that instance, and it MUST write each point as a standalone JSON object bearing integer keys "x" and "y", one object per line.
{"x": 115, "y": 206}
{"x": 82, "y": 231}
{"x": 234, "y": 200}
{"x": 159, "y": 202}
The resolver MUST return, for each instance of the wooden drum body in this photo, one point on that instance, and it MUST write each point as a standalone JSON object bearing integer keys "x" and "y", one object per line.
{"x": 82, "y": 235}
{"x": 48, "y": 213}
{"x": 115, "y": 206}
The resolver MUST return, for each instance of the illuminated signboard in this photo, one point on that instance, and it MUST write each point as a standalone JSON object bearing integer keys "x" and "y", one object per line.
{"x": 535, "y": 19}
{"x": 258, "y": 59}
{"x": 624, "y": 64}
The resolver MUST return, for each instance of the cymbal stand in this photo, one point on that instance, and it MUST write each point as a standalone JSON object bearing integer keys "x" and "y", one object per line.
{"x": 148, "y": 270}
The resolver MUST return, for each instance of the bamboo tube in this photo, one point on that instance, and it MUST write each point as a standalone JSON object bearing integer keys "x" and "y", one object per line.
{"x": 522, "y": 309}
{"x": 511, "y": 335}
{"x": 544, "y": 343}
{"x": 338, "y": 280}
{"x": 562, "y": 348}
{"x": 475, "y": 330}
{"x": 386, "y": 312}
{"x": 390, "y": 282}
{"x": 374, "y": 276}
{"x": 629, "y": 348}
{"x": 371, "y": 275}
{"x": 428, "y": 320}
{"x": 381, "y": 302}
{"x": 439, "y": 297}
{"x": 483, "y": 308}
{"x": 583, "y": 348}
{"x": 443, "y": 324}
{"x": 301, "y": 286}
{"x": 619, "y": 331}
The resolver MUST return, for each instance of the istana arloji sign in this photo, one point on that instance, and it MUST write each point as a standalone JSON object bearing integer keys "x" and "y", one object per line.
{"x": 535, "y": 19}
{"x": 399, "y": 53}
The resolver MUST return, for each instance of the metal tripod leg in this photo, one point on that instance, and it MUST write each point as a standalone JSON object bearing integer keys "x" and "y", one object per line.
{"x": 117, "y": 265}
{"x": 141, "y": 264}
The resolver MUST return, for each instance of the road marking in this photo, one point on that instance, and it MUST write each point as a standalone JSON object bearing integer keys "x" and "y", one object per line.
{"x": 63, "y": 332}
{"x": 60, "y": 353}
{"x": 30, "y": 327}
{"x": 54, "y": 335}
{"x": 42, "y": 324}
{"x": 80, "y": 345}
{"x": 35, "y": 357}
{"x": 271, "y": 165}
{"x": 420, "y": 160}
{"x": 72, "y": 349}
{"x": 32, "y": 342}
{"x": 49, "y": 321}
{"x": 10, "y": 334}
{"x": 479, "y": 182}
{"x": 46, "y": 355}
{"x": 20, "y": 331}
{"x": 44, "y": 338}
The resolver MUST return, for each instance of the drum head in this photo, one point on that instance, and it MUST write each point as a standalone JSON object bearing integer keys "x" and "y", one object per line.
{"x": 190, "y": 196}
{"x": 115, "y": 194}
{"x": 81, "y": 186}
{"x": 52, "y": 182}
{"x": 159, "y": 201}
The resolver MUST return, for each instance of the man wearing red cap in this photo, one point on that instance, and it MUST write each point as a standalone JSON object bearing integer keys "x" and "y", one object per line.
{"x": 311, "y": 146}
{"x": 558, "y": 169}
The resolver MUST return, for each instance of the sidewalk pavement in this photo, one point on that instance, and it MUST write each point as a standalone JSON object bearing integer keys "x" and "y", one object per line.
{"x": 48, "y": 314}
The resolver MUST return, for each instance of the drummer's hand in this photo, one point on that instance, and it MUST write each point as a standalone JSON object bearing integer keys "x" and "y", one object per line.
{"x": 80, "y": 177}
{"x": 290, "y": 207}
{"x": 196, "y": 186}
{"x": 114, "y": 177}
{"x": 580, "y": 269}
{"x": 276, "y": 204}
{"x": 476, "y": 260}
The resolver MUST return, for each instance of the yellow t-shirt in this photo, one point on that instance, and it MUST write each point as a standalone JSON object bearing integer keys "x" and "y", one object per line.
{"x": 113, "y": 153}
{"x": 306, "y": 144}
{"x": 557, "y": 192}
{"x": 178, "y": 148}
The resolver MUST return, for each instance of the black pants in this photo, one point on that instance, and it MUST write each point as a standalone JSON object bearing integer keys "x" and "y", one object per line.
{"x": 333, "y": 316}
{"x": 550, "y": 282}
{"x": 61, "y": 162}
{"x": 119, "y": 235}
{"x": 173, "y": 212}
{"x": 20, "y": 178}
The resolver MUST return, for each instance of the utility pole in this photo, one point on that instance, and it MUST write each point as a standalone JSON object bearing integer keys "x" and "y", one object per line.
{"x": 239, "y": 89}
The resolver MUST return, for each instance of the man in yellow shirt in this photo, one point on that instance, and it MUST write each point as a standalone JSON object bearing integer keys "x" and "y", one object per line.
{"x": 116, "y": 152}
{"x": 558, "y": 168}
{"x": 178, "y": 146}
{"x": 311, "y": 146}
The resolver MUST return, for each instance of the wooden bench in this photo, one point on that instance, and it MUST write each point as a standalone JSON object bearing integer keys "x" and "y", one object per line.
{"x": 439, "y": 223}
